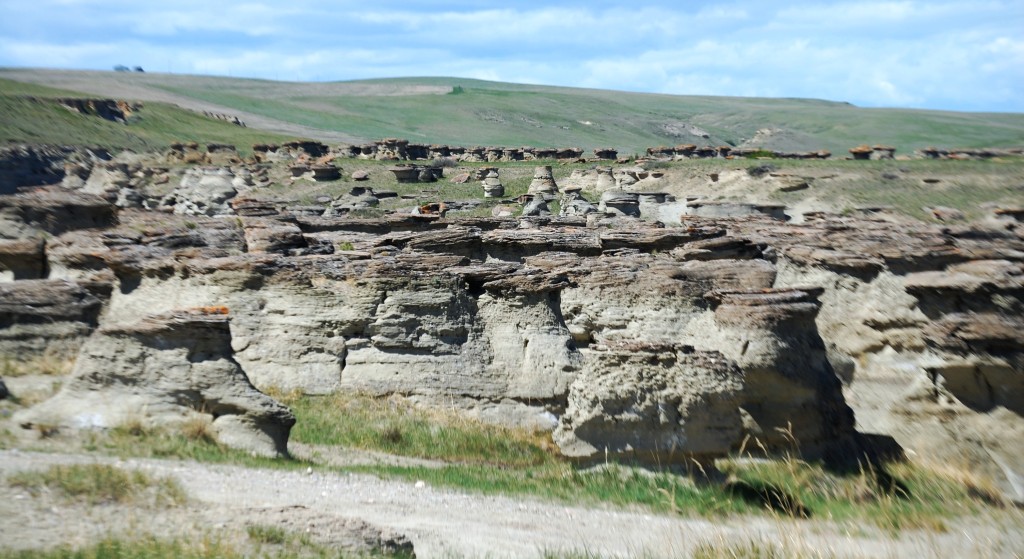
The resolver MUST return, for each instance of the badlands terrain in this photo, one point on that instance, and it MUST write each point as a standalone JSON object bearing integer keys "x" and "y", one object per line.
{"x": 228, "y": 328}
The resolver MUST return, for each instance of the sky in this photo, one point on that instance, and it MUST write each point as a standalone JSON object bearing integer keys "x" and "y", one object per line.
{"x": 924, "y": 54}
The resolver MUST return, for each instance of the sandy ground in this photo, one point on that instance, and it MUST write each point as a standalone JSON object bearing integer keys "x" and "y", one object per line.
{"x": 446, "y": 523}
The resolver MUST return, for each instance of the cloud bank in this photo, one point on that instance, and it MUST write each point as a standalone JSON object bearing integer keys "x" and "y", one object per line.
{"x": 939, "y": 55}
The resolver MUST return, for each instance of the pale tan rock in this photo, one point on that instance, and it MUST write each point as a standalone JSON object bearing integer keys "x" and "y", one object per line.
{"x": 658, "y": 404}
{"x": 163, "y": 371}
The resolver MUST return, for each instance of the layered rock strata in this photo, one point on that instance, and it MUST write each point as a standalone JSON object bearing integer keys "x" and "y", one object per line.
{"x": 504, "y": 316}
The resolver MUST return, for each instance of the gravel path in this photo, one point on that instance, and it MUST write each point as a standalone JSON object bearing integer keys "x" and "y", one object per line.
{"x": 445, "y": 523}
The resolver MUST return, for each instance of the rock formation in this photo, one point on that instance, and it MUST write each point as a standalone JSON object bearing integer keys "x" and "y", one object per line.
{"x": 543, "y": 182}
{"x": 657, "y": 404}
{"x": 203, "y": 191}
{"x": 166, "y": 370}
{"x": 620, "y": 203}
{"x": 527, "y": 319}
{"x": 574, "y": 204}
{"x": 492, "y": 186}
{"x": 791, "y": 395}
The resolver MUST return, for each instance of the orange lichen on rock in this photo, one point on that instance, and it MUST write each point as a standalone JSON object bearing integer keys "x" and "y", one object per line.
{"x": 214, "y": 310}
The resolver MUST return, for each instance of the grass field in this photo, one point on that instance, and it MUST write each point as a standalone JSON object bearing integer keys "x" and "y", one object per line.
{"x": 473, "y": 112}
{"x": 30, "y": 117}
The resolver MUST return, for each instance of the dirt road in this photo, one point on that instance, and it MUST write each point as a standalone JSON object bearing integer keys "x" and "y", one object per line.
{"x": 445, "y": 523}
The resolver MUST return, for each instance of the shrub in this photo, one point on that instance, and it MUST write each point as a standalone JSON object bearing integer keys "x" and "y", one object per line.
{"x": 761, "y": 170}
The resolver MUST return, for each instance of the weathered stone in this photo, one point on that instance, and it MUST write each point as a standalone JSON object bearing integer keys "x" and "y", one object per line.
{"x": 620, "y": 203}
{"x": 324, "y": 173}
{"x": 660, "y": 405}
{"x": 166, "y": 370}
{"x": 543, "y": 182}
{"x": 358, "y": 198}
{"x": 536, "y": 206}
{"x": 37, "y": 316}
{"x": 605, "y": 179}
{"x": 574, "y": 204}
{"x": 203, "y": 191}
{"x": 52, "y": 211}
{"x": 22, "y": 259}
{"x": 22, "y": 166}
{"x": 272, "y": 235}
{"x": 792, "y": 395}
{"x": 492, "y": 186}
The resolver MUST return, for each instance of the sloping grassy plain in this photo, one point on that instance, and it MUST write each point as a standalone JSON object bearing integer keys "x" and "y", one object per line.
{"x": 472, "y": 112}
{"x": 29, "y": 116}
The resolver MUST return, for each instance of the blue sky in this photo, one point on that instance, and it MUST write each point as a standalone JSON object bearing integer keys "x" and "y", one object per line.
{"x": 927, "y": 54}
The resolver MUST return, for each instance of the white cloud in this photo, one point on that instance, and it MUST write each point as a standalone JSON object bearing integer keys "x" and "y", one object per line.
{"x": 939, "y": 54}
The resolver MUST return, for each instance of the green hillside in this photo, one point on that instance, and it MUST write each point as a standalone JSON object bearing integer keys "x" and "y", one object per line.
{"x": 30, "y": 116}
{"x": 473, "y": 112}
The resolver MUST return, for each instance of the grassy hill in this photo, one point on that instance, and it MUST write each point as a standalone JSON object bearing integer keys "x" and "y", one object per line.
{"x": 30, "y": 116}
{"x": 472, "y": 112}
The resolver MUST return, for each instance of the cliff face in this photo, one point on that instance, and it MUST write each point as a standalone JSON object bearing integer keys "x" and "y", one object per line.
{"x": 660, "y": 343}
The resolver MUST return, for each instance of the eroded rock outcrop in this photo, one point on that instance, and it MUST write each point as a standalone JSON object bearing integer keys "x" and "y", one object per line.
{"x": 662, "y": 405}
{"x": 791, "y": 396}
{"x": 504, "y": 316}
{"x": 165, "y": 370}
{"x": 40, "y": 317}
{"x": 52, "y": 211}
{"x": 203, "y": 191}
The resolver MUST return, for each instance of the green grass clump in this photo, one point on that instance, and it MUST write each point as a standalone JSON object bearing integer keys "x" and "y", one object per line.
{"x": 145, "y": 548}
{"x": 756, "y": 549}
{"x": 494, "y": 460}
{"x": 268, "y": 534}
{"x": 900, "y": 496}
{"x": 293, "y": 546}
{"x": 395, "y": 426}
{"x": 100, "y": 484}
{"x": 193, "y": 440}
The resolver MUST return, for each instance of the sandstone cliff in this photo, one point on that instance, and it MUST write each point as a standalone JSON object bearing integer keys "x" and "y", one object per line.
{"x": 797, "y": 335}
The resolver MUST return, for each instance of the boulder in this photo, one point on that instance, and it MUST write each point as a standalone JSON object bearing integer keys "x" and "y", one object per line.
{"x": 358, "y": 198}
{"x": 574, "y": 204}
{"x": 325, "y": 173}
{"x": 536, "y": 206}
{"x": 656, "y": 404}
{"x": 605, "y": 179}
{"x": 163, "y": 371}
{"x": 862, "y": 152}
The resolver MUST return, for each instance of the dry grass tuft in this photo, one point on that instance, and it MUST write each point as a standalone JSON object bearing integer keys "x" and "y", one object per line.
{"x": 101, "y": 484}
{"x": 51, "y": 363}
{"x": 198, "y": 427}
